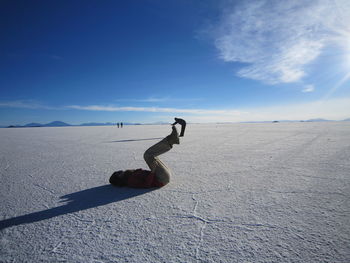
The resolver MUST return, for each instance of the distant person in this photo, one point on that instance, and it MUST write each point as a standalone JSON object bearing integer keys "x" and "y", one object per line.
{"x": 158, "y": 176}
{"x": 121, "y": 125}
{"x": 118, "y": 124}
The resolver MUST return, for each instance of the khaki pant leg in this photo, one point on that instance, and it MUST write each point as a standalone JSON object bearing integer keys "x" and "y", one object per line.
{"x": 157, "y": 166}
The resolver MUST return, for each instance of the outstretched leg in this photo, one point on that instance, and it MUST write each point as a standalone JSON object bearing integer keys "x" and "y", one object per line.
{"x": 157, "y": 167}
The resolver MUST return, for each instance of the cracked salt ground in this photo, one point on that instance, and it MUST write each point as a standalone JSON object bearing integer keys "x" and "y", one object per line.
{"x": 239, "y": 193}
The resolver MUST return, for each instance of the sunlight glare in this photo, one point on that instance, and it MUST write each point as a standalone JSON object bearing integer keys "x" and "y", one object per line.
{"x": 347, "y": 51}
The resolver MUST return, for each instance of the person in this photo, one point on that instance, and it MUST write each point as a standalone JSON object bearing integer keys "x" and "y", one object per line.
{"x": 159, "y": 174}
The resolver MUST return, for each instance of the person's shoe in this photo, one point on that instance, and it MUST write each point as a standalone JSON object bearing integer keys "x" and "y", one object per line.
{"x": 183, "y": 125}
{"x": 173, "y": 138}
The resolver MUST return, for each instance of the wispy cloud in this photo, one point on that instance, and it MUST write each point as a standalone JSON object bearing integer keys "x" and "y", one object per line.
{"x": 308, "y": 88}
{"x": 25, "y": 104}
{"x": 150, "y": 109}
{"x": 112, "y": 108}
{"x": 159, "y": 99}
{"x": 335, "y": 109}
{"x": 150, "y": 99}
{"x": 279, "y": 39}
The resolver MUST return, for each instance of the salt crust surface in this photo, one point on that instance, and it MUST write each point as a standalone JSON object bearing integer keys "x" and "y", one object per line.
{"x": 274, "y": 192}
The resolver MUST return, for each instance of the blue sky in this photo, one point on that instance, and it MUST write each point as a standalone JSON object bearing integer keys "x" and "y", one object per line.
{"x": 151, "y": 60}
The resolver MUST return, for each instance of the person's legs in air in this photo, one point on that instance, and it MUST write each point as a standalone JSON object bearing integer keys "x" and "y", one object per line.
{"x": 162, "y": 173}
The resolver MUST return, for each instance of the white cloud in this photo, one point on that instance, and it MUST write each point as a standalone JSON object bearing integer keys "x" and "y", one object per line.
{"x": 159, "y": 99}
{"x": 150, "y": 109}
{"x": 150, "y": 99}
{"x": 308, "y": 88}
{"x": 334, "y": 109}
{"x": 279, "y": 39}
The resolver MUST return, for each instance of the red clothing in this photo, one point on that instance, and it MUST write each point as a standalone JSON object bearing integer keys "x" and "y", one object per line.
{"x": 143, "y": 179}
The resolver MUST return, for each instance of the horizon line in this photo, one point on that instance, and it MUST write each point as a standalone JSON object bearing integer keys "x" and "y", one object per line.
{"x": 66, "y": 124}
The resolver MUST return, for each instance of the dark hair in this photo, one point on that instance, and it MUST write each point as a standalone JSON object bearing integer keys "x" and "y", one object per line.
{"x": 120, "y": 178}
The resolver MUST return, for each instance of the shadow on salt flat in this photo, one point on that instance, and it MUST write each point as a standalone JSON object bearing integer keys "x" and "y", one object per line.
{"x": 78, "y": 201}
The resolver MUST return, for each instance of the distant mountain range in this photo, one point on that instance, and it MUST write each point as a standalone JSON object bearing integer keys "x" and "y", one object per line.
{"x": 318, "y": 120}
{"x": 51, "y": 124}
